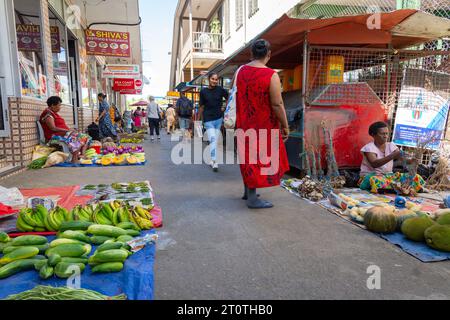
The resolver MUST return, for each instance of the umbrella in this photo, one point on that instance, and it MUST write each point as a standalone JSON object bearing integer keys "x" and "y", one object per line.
{"x": 139, "y": 104}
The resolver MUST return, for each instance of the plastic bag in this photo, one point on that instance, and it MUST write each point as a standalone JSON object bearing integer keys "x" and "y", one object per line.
{"x": 56, "y": 158}
{"x": 11, "y": 197}
{"x": 42, "y": 152}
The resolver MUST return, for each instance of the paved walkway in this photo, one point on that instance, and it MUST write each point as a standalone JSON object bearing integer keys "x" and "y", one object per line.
{"x": 213, "y": 247}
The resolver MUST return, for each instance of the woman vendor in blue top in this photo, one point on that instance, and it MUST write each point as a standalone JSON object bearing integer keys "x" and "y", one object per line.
{"x": 107, "y": 129}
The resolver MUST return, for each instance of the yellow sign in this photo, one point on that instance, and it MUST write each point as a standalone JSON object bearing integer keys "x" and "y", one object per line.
{"x": 173, "y": 94}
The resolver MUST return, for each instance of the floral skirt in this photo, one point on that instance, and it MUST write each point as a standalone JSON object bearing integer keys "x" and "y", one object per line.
{"x": 74, "y": 140}
{"x": 374, "y": 182}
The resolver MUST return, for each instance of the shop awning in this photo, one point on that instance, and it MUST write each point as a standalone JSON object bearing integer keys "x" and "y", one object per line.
{"x": 401, "y": 29}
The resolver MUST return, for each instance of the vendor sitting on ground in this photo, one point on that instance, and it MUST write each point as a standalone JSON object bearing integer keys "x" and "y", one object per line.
{"x": 56, "y": 129}
{"x": 378, "y": 163}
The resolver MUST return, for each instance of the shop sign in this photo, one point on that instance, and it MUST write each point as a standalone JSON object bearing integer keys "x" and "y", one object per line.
{"x": 174, "y": 94}
{"x": 29, "y": 38}
{"x": 122, "y": 71}
{"x": 132, "y": 92}
{"x": 108, "y": 43}
{"x": 421, "y": 118}
{"x": 123, "y": 84}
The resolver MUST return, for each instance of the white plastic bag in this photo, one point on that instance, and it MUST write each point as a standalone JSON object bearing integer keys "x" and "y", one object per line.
{"x": 230, "y": 112}
{"x": 11, "y": 197}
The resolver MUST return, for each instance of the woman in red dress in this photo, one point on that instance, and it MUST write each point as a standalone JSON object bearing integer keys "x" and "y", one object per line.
{"x": 262, "y": 126}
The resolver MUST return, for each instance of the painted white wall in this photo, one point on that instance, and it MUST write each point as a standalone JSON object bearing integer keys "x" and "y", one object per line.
{"x": 7, "y": 60}
{"x": 269, "y": 11}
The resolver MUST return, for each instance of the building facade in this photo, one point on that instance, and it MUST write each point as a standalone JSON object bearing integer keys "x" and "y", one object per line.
{"x": 43, "y": 52}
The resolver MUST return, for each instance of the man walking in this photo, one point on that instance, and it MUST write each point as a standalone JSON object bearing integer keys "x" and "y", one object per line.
{"x": 184, "y": 110}
{"x": 154, "y": 117}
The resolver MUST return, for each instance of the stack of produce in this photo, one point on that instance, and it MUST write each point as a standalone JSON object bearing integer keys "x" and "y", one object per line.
{"x": 61, "y": 294}
{"x": 91, "y": 154}
{"x": 60, "y": 219}
{"x": 70, "y": 251}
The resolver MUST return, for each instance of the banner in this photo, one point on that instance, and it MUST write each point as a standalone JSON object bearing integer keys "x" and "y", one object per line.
{"x": 122, "y": 71}
{"x": 421, "y": 118}
{"x": 108, "y": 43}
{"x": 29, "y": 38}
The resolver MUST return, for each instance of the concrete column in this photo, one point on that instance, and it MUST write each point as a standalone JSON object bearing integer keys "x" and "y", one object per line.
{"x": 47, "y": 46}
{"x": 191, "y": 31}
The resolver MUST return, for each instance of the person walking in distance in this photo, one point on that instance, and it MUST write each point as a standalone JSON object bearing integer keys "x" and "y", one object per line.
{"x": 261, "y": 116}
{"x": 154, "y": 117}
{"x": 184, "y": 110}
{"x": 211, "y": 112}
{"x": 170, "y": 118}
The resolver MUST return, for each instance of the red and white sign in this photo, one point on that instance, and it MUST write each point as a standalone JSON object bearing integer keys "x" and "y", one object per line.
{"x": 108, "y": 43}
{"x": 128, "y": 86}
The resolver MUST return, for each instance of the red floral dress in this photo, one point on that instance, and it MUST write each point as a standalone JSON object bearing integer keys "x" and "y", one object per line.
{"x": 263, "y": 162}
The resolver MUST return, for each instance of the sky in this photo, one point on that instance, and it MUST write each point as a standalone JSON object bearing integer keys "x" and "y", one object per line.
{"x": 157, "y": 32}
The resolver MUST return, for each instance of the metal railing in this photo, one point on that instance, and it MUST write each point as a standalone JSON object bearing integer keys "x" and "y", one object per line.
{"x": 208, "y": 42}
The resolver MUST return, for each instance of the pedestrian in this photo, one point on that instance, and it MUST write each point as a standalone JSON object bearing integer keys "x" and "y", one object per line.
{"x": 127, "y": 121}
{"x": 211, "y": 112}
{"x": 137, "y": 117}
{"x": 107, "y": 129}
{"x": 171, "y": 117}
{"x": 260, "y": 113}
{"x": 154, "y": 117}
{"x": 185, "y": 110}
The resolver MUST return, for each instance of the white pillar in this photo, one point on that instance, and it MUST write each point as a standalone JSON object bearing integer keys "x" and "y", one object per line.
{"x": 191, "y": 31}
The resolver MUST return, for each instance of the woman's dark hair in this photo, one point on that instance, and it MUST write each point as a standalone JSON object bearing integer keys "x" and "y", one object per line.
{"x": 212, "y": 75}
{"x": 373, "y": 130}
{"x": 54, "y": 101}
{"x": 260, "y": 49}
{"x": 102, "y": 95}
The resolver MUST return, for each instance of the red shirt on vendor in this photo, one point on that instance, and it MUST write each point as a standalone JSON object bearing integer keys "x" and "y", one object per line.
{"x": 52, "y": 123}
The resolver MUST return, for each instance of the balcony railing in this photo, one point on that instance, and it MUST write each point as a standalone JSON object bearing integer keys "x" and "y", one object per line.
{"x": 208, "y": 42}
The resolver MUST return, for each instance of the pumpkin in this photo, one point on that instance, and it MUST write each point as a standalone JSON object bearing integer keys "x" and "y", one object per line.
{"x": 380, "y": 220}
{"x": 132, "y": 160}
{"x": 106, "y": 161}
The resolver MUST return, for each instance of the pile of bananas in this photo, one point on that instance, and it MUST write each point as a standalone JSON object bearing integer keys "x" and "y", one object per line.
{"x": 41, "y": 220}
{"x": 112, "y": 214}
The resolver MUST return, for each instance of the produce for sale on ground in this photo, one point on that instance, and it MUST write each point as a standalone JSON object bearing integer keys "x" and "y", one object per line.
{"x": 380, "y": 220}
{"x": 414, "y": 228}
{"x": 63, "y": 294}
{"x": 403, "y": 215}
{"x": 357, "y": 214}
{"x": 38, "y": 164}
{"x": 444, "y": 219}
{"x": 438, "y": 237}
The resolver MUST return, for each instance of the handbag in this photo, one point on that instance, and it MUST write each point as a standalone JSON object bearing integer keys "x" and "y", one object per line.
{"x": 230, "y": 111}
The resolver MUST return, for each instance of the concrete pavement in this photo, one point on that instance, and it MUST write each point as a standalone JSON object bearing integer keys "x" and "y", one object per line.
{"x": 213, "y": 247}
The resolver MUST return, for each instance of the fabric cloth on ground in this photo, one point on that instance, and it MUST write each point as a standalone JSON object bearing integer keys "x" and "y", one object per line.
{"x": 6, "y": 210}
{"x": 447, "y": 202}
{"x": 374, "y": 182}
{"x": 74, "y": 140}
{"x": 255, "y": 115}
{"x": 136, "y": 280}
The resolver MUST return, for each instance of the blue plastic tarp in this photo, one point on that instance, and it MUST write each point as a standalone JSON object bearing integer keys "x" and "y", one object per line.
{"x": 419, "y": 250}
{"x": 73, "y": 165}
{"x": 135, "y": 280}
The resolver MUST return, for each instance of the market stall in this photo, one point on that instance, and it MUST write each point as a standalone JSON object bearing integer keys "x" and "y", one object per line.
{"x": 106, "y": 233}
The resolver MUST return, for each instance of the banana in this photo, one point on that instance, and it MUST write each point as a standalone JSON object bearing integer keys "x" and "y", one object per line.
{"x": 68, "y": 215}
{"x": 40, "y": 229}
{"x": 41, "y": 213}
{"x": 124, "y": 215}
{"x": 60, "y": 215}
{"x": 108, "y": 211}
{"x": 102, "y": 218}
{"x": 37, "y": 218}
{"x": 22, "y": 226}
{"x": 47, "y": 224}
{"x": 26, "y": 217}
{"x": 143, "y": 223}
{"x": 54, "y": 220}
{"x": 116, "y": 219}
{"x": 84, "y": 215}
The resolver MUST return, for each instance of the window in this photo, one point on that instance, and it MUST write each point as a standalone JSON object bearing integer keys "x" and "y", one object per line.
{"x": 60, "y": 65}
{"x": 239, "y": 14}
{"x": 227, "y": 20}
{"x": 252, "y": 7}
{"x": 4, "y": 128}
{"x": 29, "y": 49}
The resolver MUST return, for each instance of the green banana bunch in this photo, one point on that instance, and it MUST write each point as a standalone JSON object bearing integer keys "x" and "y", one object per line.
{"x": 21, "y": 224}
{"x": 124, "y": 215}
{"x": 80, "y": 214}
{"x": 145, "y": 214}
{"x": 116, "y": 216}
{"x": 143, "y": 223}
{"x": 39, "y": 215}
{"x": 108, "y": 211}
{"x": 56, "y": 217}
{"x": 100, "y": 216}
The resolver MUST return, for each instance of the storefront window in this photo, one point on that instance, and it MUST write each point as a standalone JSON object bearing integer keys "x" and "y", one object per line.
{"x": 29, "y": 44}
{"x": 60, "y": 65}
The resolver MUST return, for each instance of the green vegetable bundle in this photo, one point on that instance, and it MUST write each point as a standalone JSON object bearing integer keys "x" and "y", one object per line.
{"x": 63, "y": 293}
{"x": 38, "y": 163}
